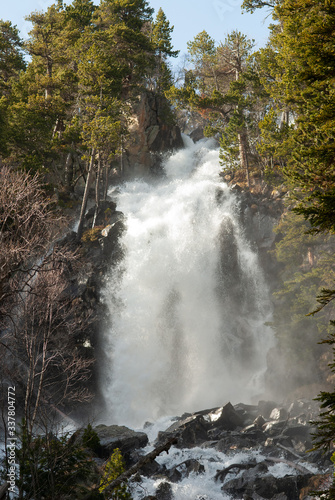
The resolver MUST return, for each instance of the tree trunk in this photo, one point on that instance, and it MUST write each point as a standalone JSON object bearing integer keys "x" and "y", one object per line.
{"x": 85, "y": 197}
{"x": 121, "y": 158}
{"x": 285, "y": 118}
{"x": 105, "y": 182}
{"x": 69, "y": 171}
{"x": 3, "y": 491}
{"x": 48, "y": 90}
{"x": 143, "y": 461}
{"x": 97, "y": 191}
{"x": 242, "y": 142}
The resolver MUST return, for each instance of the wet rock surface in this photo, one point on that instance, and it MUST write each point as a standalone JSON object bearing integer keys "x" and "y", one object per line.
{"x": 256, "y": 440}
{"x": 121, "y": 437}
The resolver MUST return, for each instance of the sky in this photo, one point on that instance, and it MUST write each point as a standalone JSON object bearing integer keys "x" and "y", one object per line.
{"x": 217, "y": 17}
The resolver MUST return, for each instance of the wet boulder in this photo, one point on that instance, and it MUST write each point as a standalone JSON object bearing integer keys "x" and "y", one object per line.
{"x": 191, "y": 431}
{"x": 265, "y": 408}
{"x": 224, "y": 418}
{"x": 115, "y": 436}
{"x": 233, "y": 441}
{"x": 190, "y": 466}
{"x": 279, "y": 414}
{"x": 110, "y": 236}
{"x": 184, "y": 469}
{"x": 197, "y": 428}
{"x": 164, "y": 491}
{"x": 274, "y": 427}
{"x": 259, "y": 481}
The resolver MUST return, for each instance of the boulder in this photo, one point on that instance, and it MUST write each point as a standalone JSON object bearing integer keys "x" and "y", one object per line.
{"x": 259, "y": 421}
{"x": 265, "y": 408}
{"x": 220, "y": 428}
{"x": 110, "y": 238}
{"x": 224, "y": 418}
{"x": 197, "y": 134}
{"x": 184, "y": 469}
{"x": 115, "y": 436}
{"x": 274, "y": 427}
{"x": 197, "y": 428}
{"x": 164, "y": 491}
{"x": 234, "y": 441}
{"x": 264, "y": 484}
{"x": 191, "y": 431}
{"x": 248, "y": 413}
{"x": 192, "y": 466}
{"x": 279, "y": 414}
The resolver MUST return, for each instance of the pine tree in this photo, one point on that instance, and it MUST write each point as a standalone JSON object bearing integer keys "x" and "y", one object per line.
{"x": 297, "y": 74}
{"x": 161, "y": 36}
{"x": 217, "y": 87}
{"x": 11, "y": 55}
{"x": 297, "y": 70}
{"x": 11, "y": 64}
{"x": 252, "y": 5}
{"x": 162, "y": 43}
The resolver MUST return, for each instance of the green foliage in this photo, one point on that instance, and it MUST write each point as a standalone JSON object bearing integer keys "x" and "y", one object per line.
{"x": 11, "y": 55}
{"x": 11, "y": 64}
{"x": 273, "y": 136}
{"x": 113, "y": 469}
{"x": 252, "y": 5}
{"x": 102, "y": 132}
{"x": 320, "y": 210}
{"x": 161, "y": 35}
{"x": 201, "y": 49}
{"x": 307, "y": 267}
{"x": 324, "y": 436}
{"x": 294, "y": 242}
{"x": 54, "y": 467}
{"x": 87, "y": 62}
{"x": 80, "y": 14}
{"x": 92, "y": 235}
{"x": 225, "y": 89}
{"x": 91, "y": 439}
{"x": 295, "y": 70}
{"x": 159, "y": 77}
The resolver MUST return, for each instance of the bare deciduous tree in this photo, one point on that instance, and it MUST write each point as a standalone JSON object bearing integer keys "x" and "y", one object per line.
{"x": 27, "y": 225}
{"x": 48, "y": 341}
{"x": 40, "y": 328}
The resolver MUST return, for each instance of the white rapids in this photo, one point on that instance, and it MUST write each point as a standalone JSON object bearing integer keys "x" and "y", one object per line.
{"x": 203, "y": 486}
{"x": 188, "y": 301}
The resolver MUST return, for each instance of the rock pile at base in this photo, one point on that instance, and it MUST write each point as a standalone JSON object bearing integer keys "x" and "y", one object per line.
{"x": 278, "y": 433}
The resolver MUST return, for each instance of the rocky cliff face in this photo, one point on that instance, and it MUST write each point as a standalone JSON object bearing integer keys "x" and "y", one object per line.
{"x": 152, "y": 133}
{"x": 260, "y": 212}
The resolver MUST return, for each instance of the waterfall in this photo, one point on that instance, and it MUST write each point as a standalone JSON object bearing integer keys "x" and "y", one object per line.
{"x": 188, "y": 302}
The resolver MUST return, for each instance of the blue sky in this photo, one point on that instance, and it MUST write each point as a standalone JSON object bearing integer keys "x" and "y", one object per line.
{"x": 217, "y": 17}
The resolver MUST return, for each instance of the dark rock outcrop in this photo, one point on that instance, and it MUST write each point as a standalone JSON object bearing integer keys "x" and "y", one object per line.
{"x": 258, "y": 481}
{"x": 115, "y": 436}
{"x": 153, "y": 133}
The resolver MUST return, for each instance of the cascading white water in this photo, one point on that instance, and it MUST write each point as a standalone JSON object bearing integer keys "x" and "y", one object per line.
{"x": 188, "y": 301}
